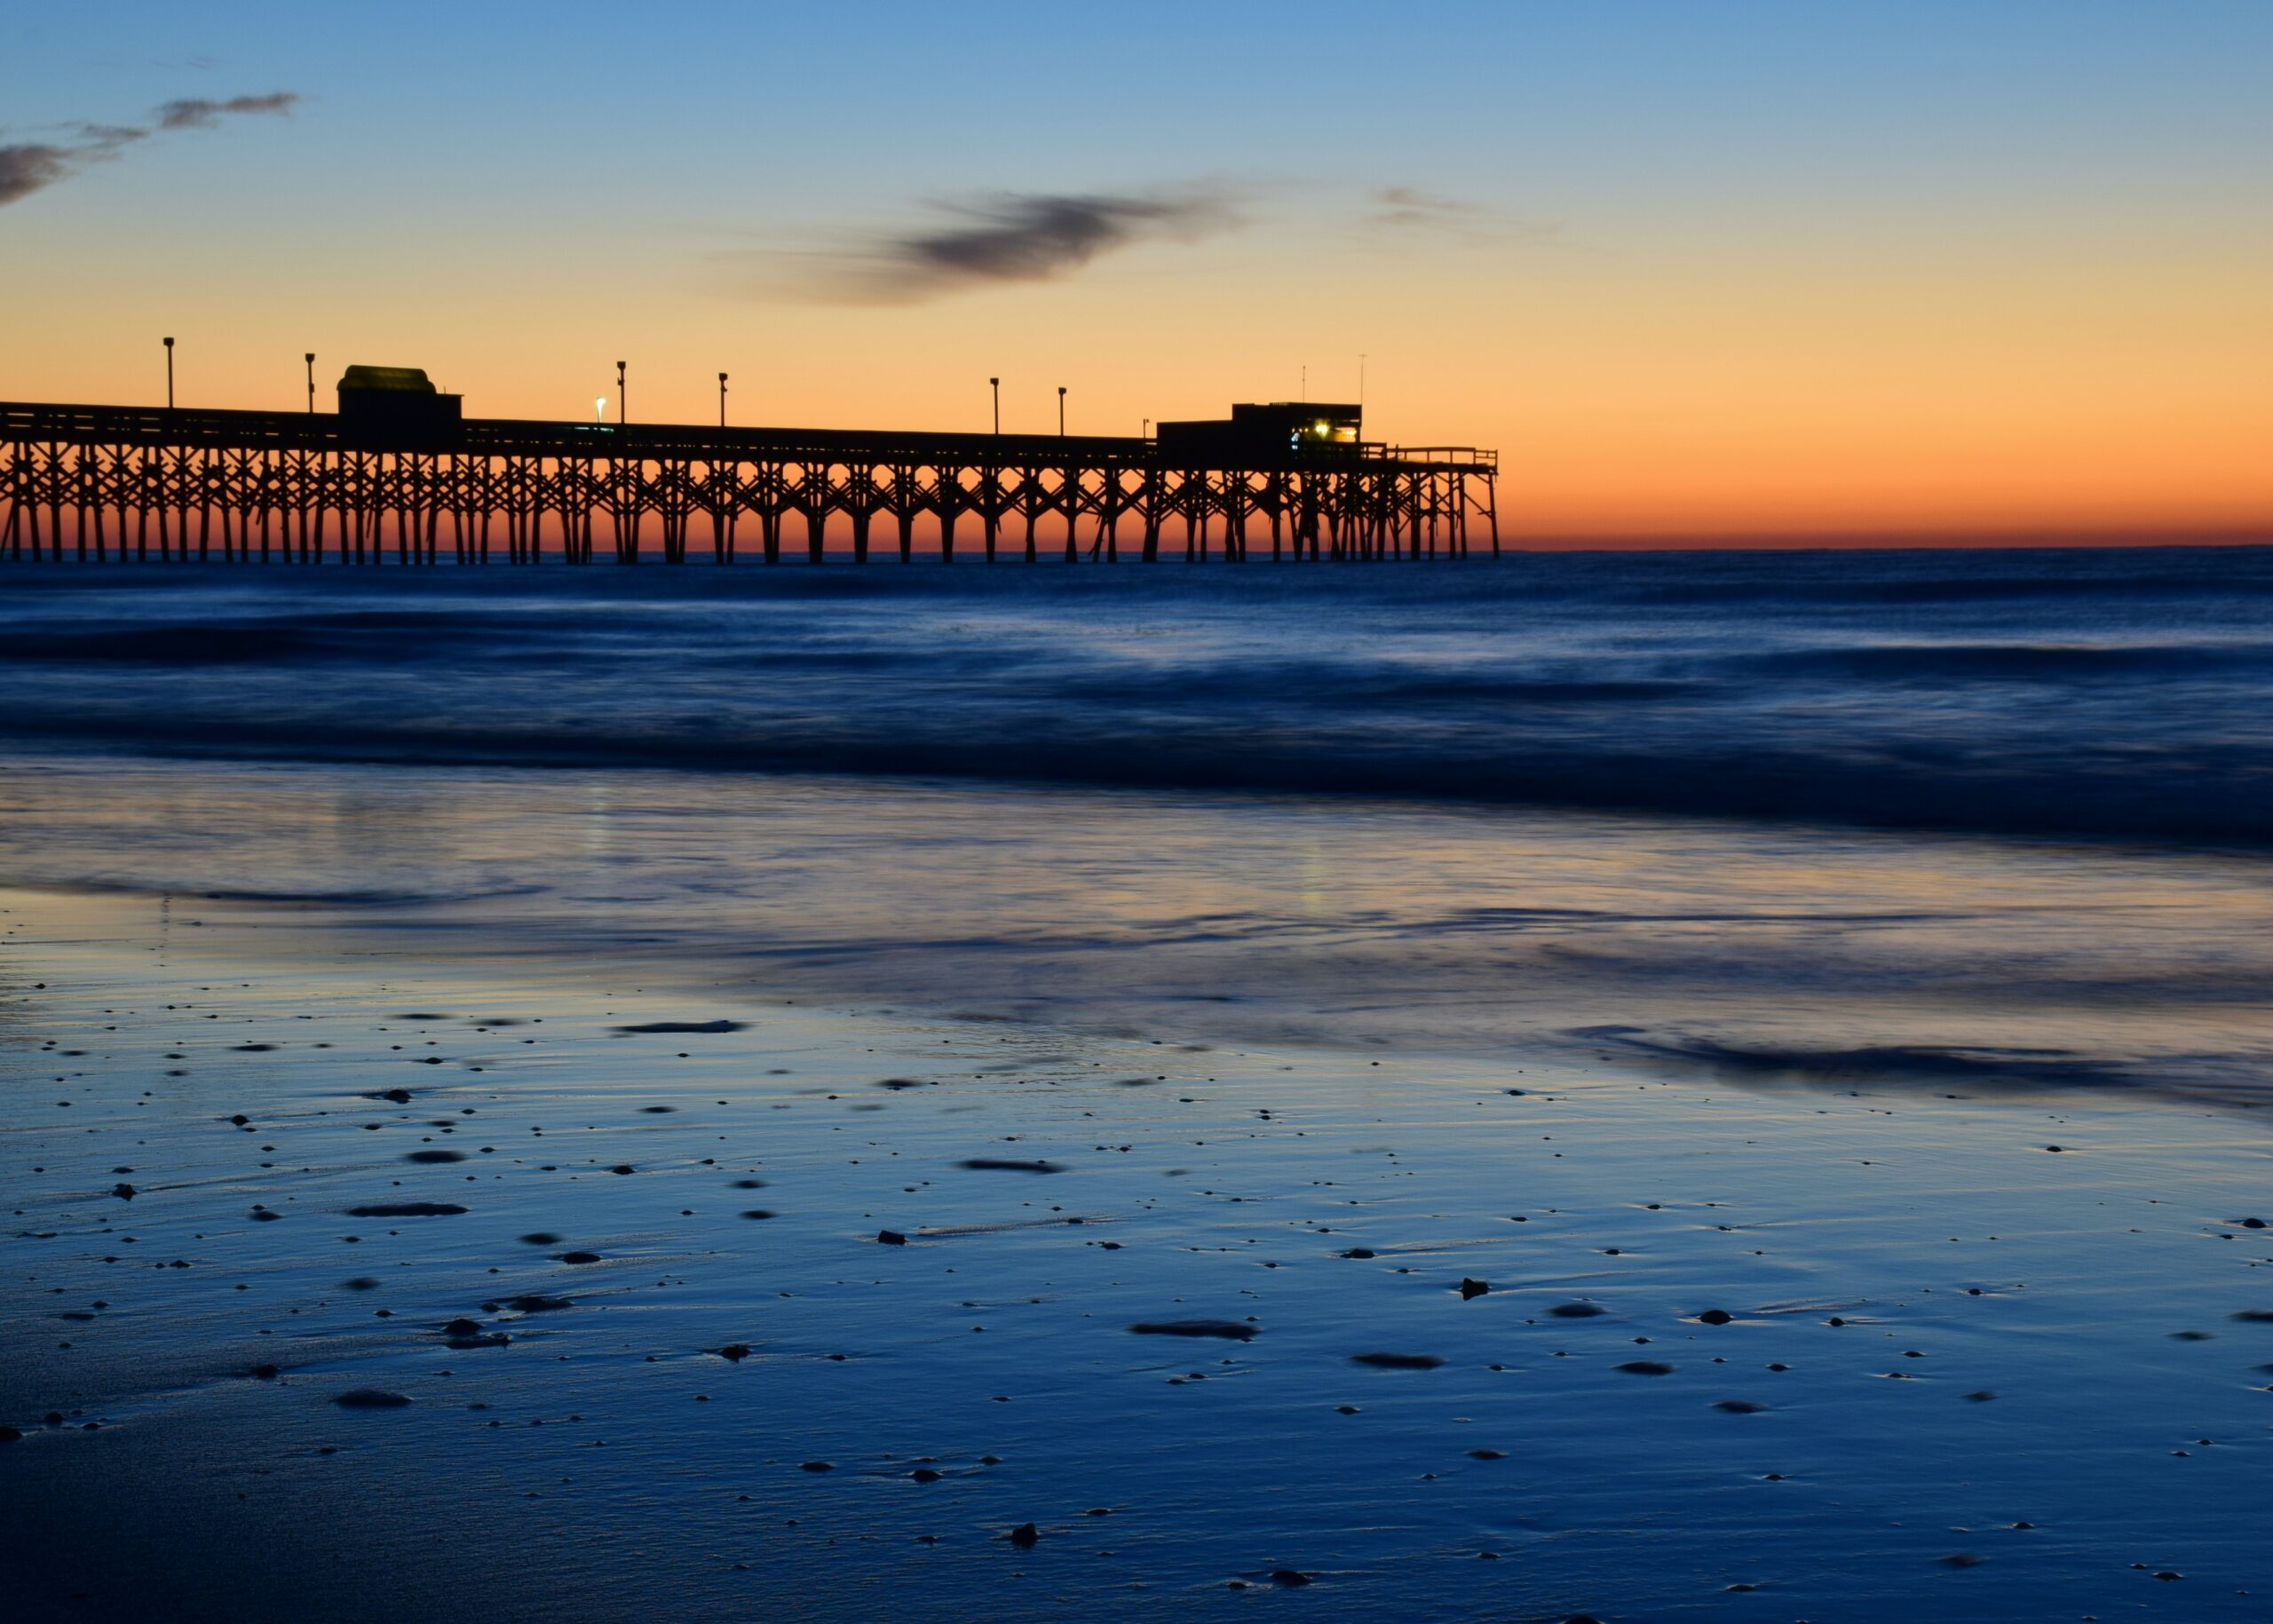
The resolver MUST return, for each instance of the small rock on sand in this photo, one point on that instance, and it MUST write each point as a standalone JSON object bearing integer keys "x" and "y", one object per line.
{"x": 1397, "y": 1362}
{"x": 406, "y": 1209}
{"x": 685, "y": 1026}
{"x": 996, "y": 1164}
{"x": 1577, "y": 1310}
{"x": 1229, "y": 1330}
{"x": 1471, "y": 1289}
{"x": 370, "y": 1398}
{"x": 1024, "y": 1536}
{"x": 890, "y": 1238}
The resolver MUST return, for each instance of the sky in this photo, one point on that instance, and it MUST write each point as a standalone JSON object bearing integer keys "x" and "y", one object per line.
{"x": 1746, "y": 270}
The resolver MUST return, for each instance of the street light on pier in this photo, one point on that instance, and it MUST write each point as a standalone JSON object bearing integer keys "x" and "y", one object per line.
{"x": 311, "y": 359}
{"x": 1061, "y": 411}
{"x": 170, "y": 375}
{"x": 622, "y": 415}
{"x": 995, "y": 384}
{"x": 722, "y": 399}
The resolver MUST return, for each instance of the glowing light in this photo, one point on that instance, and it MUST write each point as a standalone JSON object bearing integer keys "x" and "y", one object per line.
{"x": 599, "y": 407}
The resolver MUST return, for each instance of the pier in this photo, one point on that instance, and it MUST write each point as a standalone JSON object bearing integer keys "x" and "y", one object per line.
{"x": 401, "y": 480}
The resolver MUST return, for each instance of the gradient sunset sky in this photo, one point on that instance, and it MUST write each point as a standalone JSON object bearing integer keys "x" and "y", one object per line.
{"x": 1940, "y": 268}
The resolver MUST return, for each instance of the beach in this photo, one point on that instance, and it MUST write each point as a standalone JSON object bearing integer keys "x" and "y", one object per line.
{"x": 632, "y": 1110}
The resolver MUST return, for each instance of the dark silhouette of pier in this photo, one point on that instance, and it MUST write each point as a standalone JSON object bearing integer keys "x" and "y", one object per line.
{"x": 406, "y": 475}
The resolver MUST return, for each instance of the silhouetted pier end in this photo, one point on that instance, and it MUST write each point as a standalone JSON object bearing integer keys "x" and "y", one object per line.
{"x": 398, "y": 477}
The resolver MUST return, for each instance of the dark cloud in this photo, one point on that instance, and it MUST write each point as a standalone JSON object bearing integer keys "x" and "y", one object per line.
{"x": 26, "y": 167}
{"x": 1029, "y": 237}
{"x": 203, "y": 113}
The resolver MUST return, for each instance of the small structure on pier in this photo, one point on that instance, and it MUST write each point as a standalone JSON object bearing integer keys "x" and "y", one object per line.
{"x": 397, "y": 406}
{"x": 1265, "y": 435}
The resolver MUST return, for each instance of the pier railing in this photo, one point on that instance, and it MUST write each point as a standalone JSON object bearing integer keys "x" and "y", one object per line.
{"x": 102, "y": 483}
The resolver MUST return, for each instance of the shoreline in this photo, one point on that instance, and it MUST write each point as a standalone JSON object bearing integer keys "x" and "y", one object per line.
{"x": 1841, "y": 1232}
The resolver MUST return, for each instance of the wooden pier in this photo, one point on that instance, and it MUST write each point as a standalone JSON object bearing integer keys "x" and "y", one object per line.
{"x": 134, "y": 485}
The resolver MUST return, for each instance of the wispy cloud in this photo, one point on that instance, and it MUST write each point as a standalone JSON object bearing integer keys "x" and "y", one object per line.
{"x": 26, "y": 167}
{"x": 1409, "y": 211}
{"x": 1403, "y": 208}
{"x": 1010, "y": 237}
{"x": 202, "y": 112}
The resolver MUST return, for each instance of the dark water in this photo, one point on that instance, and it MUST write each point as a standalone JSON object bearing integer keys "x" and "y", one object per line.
{"x": 2103, "y": 692}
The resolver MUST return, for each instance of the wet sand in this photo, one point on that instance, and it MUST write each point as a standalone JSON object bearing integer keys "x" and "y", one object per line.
{"x": 795, "y": 1308}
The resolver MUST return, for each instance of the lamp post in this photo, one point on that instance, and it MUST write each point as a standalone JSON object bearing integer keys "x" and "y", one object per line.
{"x": 995, "y": 384}
{"x": 311, "y": 359}
{"x": 1061, "y": 411}
{"x": 170, "y": 375}
{"x": 722, "y": 399}
{"x": 622, "y": 415}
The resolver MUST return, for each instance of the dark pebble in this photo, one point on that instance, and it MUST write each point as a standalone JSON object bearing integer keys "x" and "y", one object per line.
{"x": 1715, "y": 1316}
{"x": 1738, "y": 1406}
{"x": 890, "y": 1238}
{"x": 124, "y": 1192}
{"x": 435, "y": 1156}
{"x": 541, "y": 1237}
{"x": 1470, "y": 1289}
{"x": 536, "y": 1304}
{"x": 580, "y": 1258}
{"x": 1358, "y": 1252}
{"x": 1577, "y": 1310}
{"x": 994, "y": 1164}
{"x": 370, "y": 1398}
{"x": 924, "y": 1474}
{"x": 686, "y": 1025}
{"x": 733, "y": 1352}
{"x": 819, "y": 1466}
{"x": 759, "y": 1212}
{"x": 623, "y": 1166}
{"x": 1024, "y": 1536}
{"x": 1397, "y": 1362}
{"x": 263, "y": 1373}
{"x": 1646, "y": 1367}
{"x": 406, "y": 1209}
{"x": 1288, "y": 1576}
{"x": 1229, "y": 1330}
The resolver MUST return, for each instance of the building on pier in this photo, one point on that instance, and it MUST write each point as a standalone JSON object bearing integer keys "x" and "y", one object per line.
{"x": 388, "y": 406}
{"x": 1263, "y": 435}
